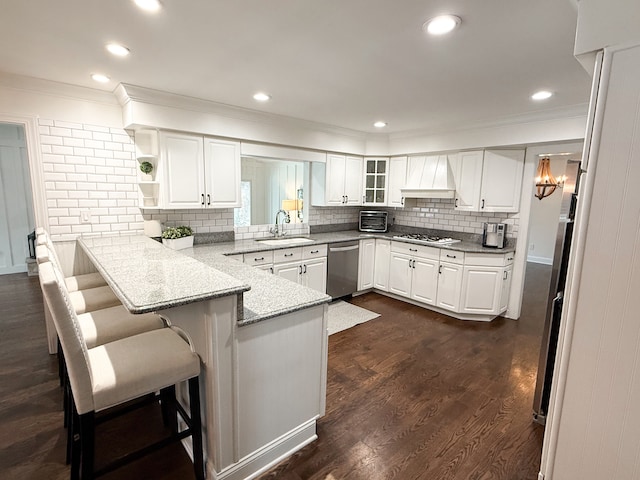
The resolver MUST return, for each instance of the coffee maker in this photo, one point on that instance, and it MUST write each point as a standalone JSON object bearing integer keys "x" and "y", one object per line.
{"x": 493, "y": 235}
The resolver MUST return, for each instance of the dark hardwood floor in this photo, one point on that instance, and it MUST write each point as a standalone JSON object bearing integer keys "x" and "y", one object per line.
{"x": 411, "y": 395}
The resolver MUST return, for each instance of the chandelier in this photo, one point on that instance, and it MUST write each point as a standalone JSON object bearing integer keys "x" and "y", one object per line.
{"x": 546, "y": 183}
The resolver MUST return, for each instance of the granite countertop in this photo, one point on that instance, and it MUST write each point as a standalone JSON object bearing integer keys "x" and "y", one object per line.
{"x": 147, "y": 276}
{"x": 270, "y": 296}
{"x": 250, "y": 246}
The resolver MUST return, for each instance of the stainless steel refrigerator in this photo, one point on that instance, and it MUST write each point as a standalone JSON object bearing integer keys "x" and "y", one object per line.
{"x": 551, "y": 330}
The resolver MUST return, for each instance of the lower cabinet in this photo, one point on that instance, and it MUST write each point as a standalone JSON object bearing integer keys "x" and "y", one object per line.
{"x": 381, "y": 270}
{"x": 413, "y": 272}
{"x": 486, "y": 283}
{"x": 449, "y": 286}
{"x": 303, "y": 265}
{"x": 366, "y": 263}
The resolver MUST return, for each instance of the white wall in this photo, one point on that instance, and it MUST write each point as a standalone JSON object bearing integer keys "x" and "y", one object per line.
{"x": 544, "y": 218}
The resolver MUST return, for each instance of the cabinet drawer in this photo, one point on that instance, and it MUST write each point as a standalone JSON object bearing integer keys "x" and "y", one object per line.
{"x": 452, "y": 256}
{"x": 489, "y": 259}
{"x": 258, "y": 258}
{"x": 314, "y": 251}
{"x": 287, "y": 255}
{"x": 416, "y": 250}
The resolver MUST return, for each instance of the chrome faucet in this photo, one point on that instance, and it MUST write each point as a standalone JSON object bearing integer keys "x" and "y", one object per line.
{"x": 278, "y": 230}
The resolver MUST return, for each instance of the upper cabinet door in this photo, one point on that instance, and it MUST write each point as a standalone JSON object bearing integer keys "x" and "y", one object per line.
{"x": 501, "y": 180}
{"x": 222, "y": 173}
{"x": 468, "y": 178}
{"x": 182, "y": 158}
{"x": 375, "y": 181}
{"x": 397, "y": 180}
{"x": 353, "y": 180}
{"x": 335, "y": 179}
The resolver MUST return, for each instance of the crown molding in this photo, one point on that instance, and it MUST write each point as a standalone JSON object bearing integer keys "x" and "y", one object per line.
{"x": 572, "y": 111}
{"x": 126, "y": 93}
{"x": 56, "y": 89}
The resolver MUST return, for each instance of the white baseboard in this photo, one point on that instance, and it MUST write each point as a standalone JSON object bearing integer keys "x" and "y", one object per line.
{"x": 542, "y": 260}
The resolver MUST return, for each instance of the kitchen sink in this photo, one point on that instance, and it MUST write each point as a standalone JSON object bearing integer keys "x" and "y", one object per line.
{"x": 285, "y": 241}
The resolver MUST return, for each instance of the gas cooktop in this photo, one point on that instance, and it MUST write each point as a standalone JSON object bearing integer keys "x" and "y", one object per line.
{"x": 427, "y": 239}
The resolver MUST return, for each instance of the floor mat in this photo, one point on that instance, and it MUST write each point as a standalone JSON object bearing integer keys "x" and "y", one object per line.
{"x": 343, "y": 315}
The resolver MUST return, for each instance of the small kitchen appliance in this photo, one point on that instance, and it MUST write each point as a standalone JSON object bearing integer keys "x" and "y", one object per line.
{"x": 373, "y": 221}
{"x": 493, "y": 235}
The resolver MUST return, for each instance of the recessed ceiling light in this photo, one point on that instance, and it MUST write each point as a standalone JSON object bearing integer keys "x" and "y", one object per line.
{"x": 117, "y": 50}
{"x": 98, "y": 77}
{"x": 441, "y": 24}
{"x": 541, "y": 95}
{"x": 261, "y": 97}
{"x": 149, "y": 5}
{"x": 380, "y": 124}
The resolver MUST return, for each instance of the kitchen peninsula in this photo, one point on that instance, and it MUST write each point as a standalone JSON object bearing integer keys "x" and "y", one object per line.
{"x": 262, "y": 342}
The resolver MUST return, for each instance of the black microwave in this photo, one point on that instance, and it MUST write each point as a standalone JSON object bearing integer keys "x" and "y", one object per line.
{"x": 373, "y": 221}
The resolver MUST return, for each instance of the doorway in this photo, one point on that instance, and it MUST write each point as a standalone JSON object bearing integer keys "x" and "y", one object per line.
{"x": 16, "y": 199}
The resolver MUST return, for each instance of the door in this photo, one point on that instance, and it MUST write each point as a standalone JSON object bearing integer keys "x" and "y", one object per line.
{"x": 366, "y": 264}
{"x": 381, "y": 270}
{"x": 353, "y": 181}
{"x": 335, "y": 179}
{"x": 481, "y": 290}
{"x": 506, "y": 288}
{"x": 400, "y": 274}
{"x": 424, "y": 284}
{"x": 375, "y": 181}
{"x": 314, "y": 274}
{"x": 290, "y": 271}
{"x": 501, "y": 180}
{"x": 16, "y": 208}
{"x": 468, "y": 177}
{"x": 182, "y": 157}
{"x": 449, "y": 286}
{"x": 397, "y": 180}
{"x": 222, "y": 173}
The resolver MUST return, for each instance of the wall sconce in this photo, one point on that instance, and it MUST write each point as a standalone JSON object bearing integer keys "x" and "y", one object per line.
{"x": 291, "y": 205}
{"x": 546, "y": 183}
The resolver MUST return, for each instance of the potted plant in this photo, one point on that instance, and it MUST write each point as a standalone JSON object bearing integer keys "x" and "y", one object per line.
{"x": 178, "y": 238}
{"x": 146, "y": 168}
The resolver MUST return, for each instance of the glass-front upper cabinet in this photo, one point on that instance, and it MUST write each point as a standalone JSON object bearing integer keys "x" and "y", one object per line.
{"x": 375, "y": 181}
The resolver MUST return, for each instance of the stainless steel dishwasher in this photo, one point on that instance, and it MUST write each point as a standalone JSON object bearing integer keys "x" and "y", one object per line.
{"x": 342, "y": 268}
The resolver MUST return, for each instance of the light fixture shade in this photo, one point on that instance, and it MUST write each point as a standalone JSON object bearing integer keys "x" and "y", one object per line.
{"x": 546, "y": 183}
{"x": 290, "y": 205}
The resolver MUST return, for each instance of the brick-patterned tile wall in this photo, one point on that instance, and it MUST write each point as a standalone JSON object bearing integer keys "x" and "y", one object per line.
{"x": 89, "y": 168}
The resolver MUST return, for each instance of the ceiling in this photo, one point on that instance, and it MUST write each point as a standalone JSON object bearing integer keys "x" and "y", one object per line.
{"x": 344, "y": 63}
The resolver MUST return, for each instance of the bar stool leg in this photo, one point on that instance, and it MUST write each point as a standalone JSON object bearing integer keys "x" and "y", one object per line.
{"x": 169, "y": 410}
{"x": 196, "y": 427}
{"x": 87, "y": 444}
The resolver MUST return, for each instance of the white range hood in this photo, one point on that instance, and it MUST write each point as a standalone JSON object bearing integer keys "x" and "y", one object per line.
{"x": 429, "y": 177}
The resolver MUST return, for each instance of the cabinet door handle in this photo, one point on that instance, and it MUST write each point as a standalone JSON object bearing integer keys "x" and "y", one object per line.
{"x": 414, "y": 264}
{"x": 506, "y": 275}
{"x": 202, "y": 200}
{"x": 315, "y": 251}
{"x": 347, "y": 199}
{"x": 363, "y": 199}
{"x": 482, "y": 203}
{"x": 208, "y": 199}
{"x": 440, "y": 269}
{"x": 288, "y": 254}
{"x": 509, "y": 259}
{"x": 271, "y": 270}
{"x": 455, "y": 204}
{"x": 300, "y": 269}
{"x": 451, "y": 256}
{"x": 258, "y": 259}
{"x": 305, "y": 268}
{"x": 413, "y": 249}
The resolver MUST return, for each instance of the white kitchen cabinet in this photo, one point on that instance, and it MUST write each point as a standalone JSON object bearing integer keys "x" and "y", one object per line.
{"x": 488, "y": 181}
{"x": 397, "y": 180}
{"x": 486, "y": 283}
{"x": 375, "y": 181}
{"x": 450, "y": 279}
{"x": 501, "y": 180}
{"x": 338, "y": 182}
{"x": 413, "y": 272}
{"x": 381, "y": 270}
{"x": 199, "y": 172}
{"x": 366, "y": 263}
{"x": 303, "y": 265}
{"x": 467, "y": 169}
{"x": 146, "y": 147}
